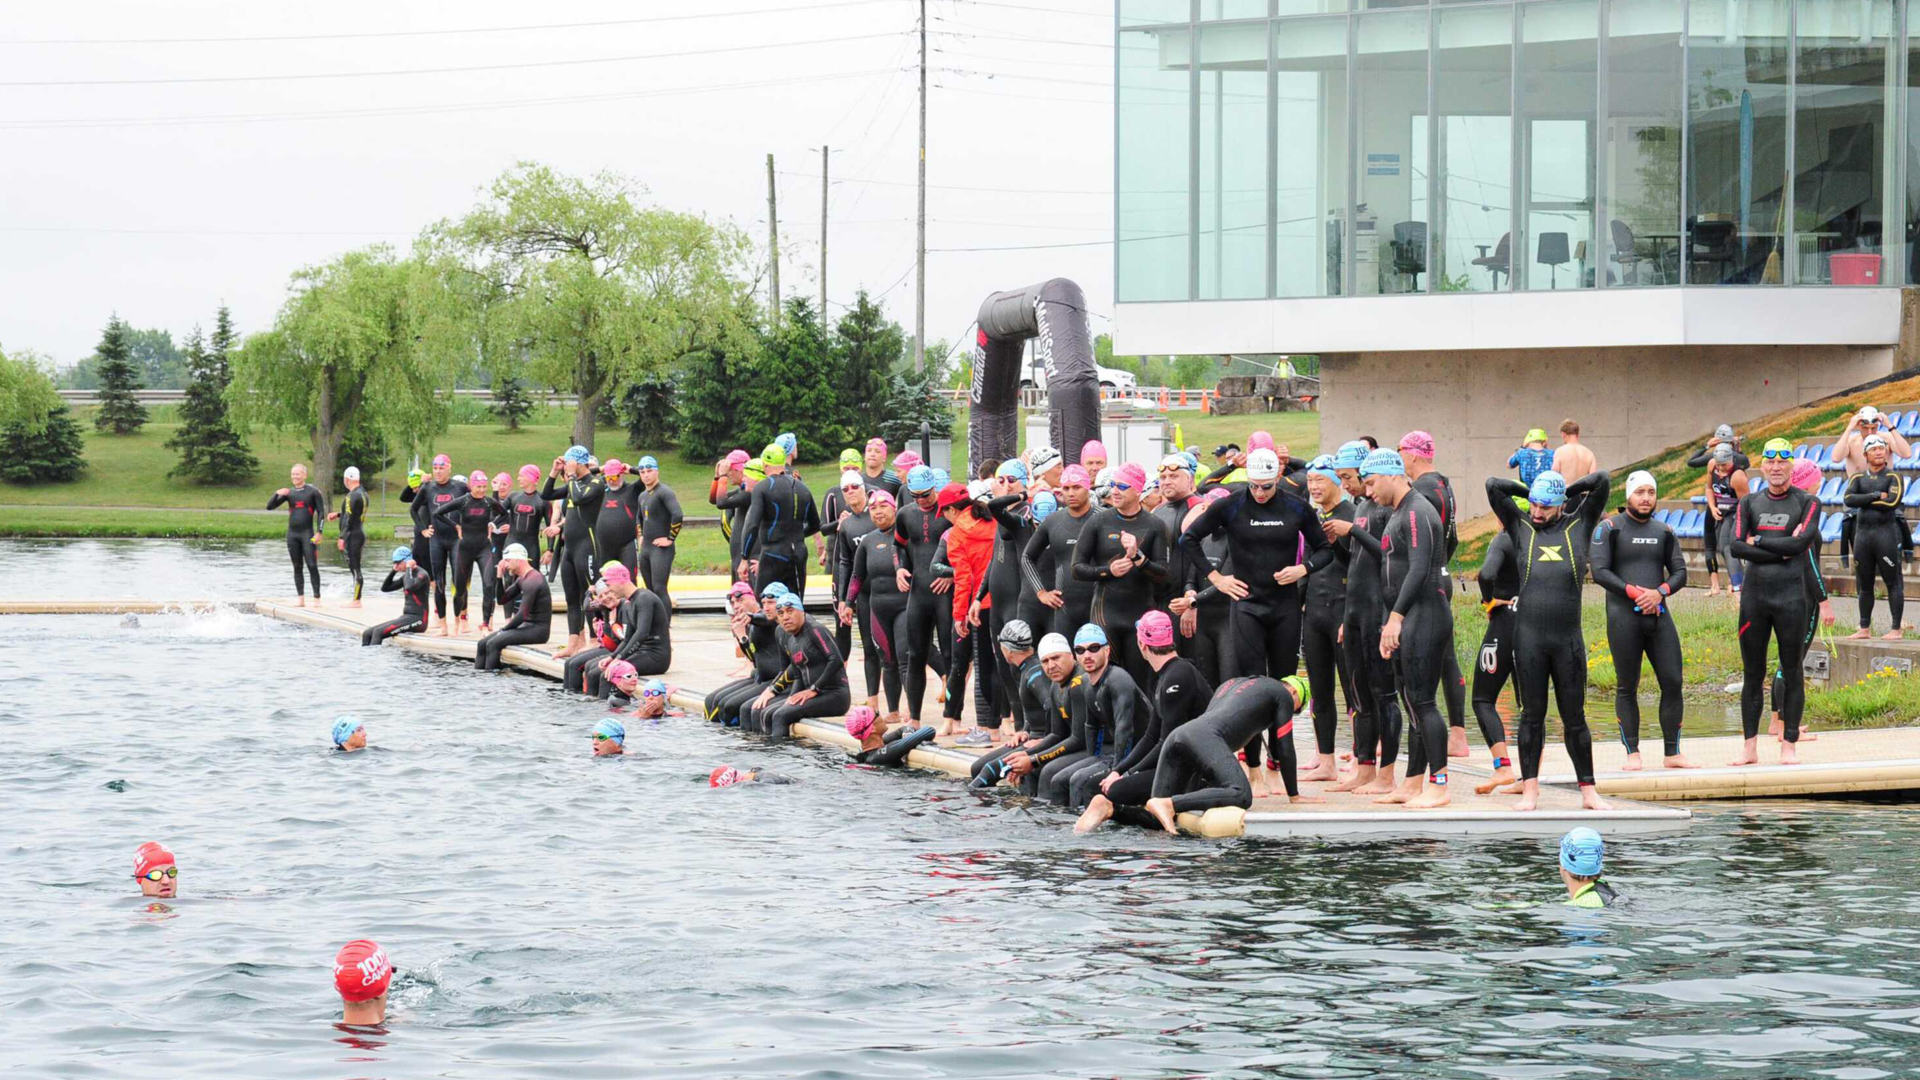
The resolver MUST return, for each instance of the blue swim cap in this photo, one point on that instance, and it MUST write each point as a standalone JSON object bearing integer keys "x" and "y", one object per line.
{"x": 344, "y": 728}
{"x": 1044, "y": 504}
{"x": 1324, "y": 466}
{"x": 1549, "y": 489}
{"x": 921, "y": 478}
{"x": 1581, "y": 851}
{"x": 648, "y": 462}
{"x": 774, "y": 591}
{"x": 1012, "y": 467}
{"x": 577, "y": 454}
{"x": 1193, "y": 463}
{"x": 941, "y": 478}
{"x": 1351, "y": 455}
{"x": 612, "y": 729}
{"x": 1089, "y": 634}
{"x": 787, "y": 441}
{"x": 788, "y": 601}
{"x": 654, "y": 688}
{"x": 1383, "y": 462}
{"x": 402, "y": 554}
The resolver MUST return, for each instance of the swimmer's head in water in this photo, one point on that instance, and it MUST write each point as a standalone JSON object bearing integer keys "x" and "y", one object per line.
{"x": 621, "y": 673}
{"x": 860, "y": 722}
{"x": 361, "y": 971}
{"x": 154, "y": 869}
{"x": 349, "y": 733}
{"x": 1582, "y": 852}
{"x": 1302, "y": 690}
{"x": 609, "y": 737}
{"x": 724, "y": 776}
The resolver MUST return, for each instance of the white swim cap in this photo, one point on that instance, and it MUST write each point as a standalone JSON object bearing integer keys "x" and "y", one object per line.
{"x": 1054, "y": 643}
{"x": 852, "y": 479}
{"x": 1263, "y": 464}
{"x": 352, "y": 473}
{"x": 1640, "y": 479}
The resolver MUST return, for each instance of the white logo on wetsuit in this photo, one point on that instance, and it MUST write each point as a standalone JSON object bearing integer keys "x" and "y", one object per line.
{"x": 1263, "y": 524}
{"x": 1646, "y": 539}
{"x": 1490, "y": 657}
{"x": 1775, "y": 521}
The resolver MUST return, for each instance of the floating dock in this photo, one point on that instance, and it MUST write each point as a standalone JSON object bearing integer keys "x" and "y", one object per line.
{"x": 704, "y": 659}
{"x": 1835, "y": 762}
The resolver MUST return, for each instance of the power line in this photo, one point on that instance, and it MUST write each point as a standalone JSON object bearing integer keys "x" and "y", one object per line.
{"x": 436, "y": 33}
{"x": 520, "y": 66}
{"x": 1051, "y": 10}
{"x": 1019, "y": 37}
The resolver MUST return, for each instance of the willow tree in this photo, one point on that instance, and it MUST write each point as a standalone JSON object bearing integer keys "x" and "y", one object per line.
{"x": 593, "y": 289}
{"x": 367, "y": 342}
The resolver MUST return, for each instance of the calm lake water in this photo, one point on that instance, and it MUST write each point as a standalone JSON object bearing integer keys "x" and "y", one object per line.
{"x": 555, "y": 915}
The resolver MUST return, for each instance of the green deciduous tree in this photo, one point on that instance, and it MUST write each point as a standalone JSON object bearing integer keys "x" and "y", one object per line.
{"x": 365, "y": 344}
{"x": 120, "y": 412}
{"x": 594, "y": 288}
{"x": 161, "y": 363}
{"x": 39, "y": 441}
{"x": 27, "y": 396}
{"x": 211, "y": 450}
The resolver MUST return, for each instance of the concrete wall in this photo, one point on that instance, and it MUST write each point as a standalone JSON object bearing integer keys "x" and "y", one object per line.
{"x": 1630, "y": 402}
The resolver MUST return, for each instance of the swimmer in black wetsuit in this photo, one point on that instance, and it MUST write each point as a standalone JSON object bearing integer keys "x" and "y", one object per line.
{"x": 579, "y": 491}
{"x": 437, "y": 491}
{"x": 532, "y": 623}
{"x": 645, "y": 640}
{"x": 917, "y": 530}
{"x": 1199, "y": 766}
{"x": 1417, "y": 453}
{"x": 879, "y": 745}
{"x": 728, "y": 776}
{"x": 759, "y": 639}
{"x": 527, "y": 514}
{"x": 616, "y": 530}
{"x": 869, "y": 573}
{"x": 353, "y": 534}
{"x": 660, "y": 521}
{"x": 780, "y": 516}
{"x": 1180, "y": 693}
{"x": 1323, "y": 613}
{"x": 1637, "y": 560}
{"x": 1124, "y": 550}
{"x": 1376, "y": 708}
{"x": 1030, "y": 684}
{"x": 1879, "y": 530}
{"x": 1117, "y": 715}
{"x": 1418, "y": 629}
{"x": 814, "y": 683}
{"x": 850, "y": 522}
{"x": 469, "y": 519}
{"x": 1499, "y": 581}
{"x": 306, "y": 524}
{"x": 1773, "y": 528}
{"x": 413, "y": 584}
{"x": 1047, "y": 560}
{"x": 1066, "y": 734}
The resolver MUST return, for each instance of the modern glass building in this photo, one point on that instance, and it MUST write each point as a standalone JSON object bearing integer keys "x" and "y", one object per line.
{"x": 1462, "y": 178}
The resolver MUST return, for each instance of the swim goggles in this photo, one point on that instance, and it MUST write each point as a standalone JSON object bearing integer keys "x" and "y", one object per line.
{"x": 158, "y": 875}
{"x": 1082, "y": 650}
{"x": 1777, "y": 454}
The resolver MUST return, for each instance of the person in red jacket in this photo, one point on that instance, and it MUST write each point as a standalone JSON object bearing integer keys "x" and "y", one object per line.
{"x": 969, "y": 543}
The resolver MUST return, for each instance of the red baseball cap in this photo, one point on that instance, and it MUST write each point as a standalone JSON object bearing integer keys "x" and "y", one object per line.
{"x": 953, "y": 495}
{"x": 361, "y": 971}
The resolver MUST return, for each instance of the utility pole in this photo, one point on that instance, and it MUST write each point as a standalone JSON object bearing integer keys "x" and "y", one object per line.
{"x": 773, "y": 246}
{"x": 920, "y": 272}
{"x": 823, "y": 236}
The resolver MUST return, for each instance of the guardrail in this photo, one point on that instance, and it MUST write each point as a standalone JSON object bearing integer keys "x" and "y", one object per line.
{"x": 175, "y": 397}
{"x": 1160, "y": 397}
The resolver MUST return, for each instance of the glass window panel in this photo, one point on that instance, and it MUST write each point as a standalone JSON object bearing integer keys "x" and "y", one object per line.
{"x": 1233, "y": 161}
{"x": 1390, "y": 224}
{"x": 1642, "y": 188}
{"x": 1375, "y": 5}
{"x": 1473, "y": 161}
{"x": 1559, "y": 87}
{"x": 1843, "y": 120}
{"x": 1309, "y": 7}
{"x": 1233, "y": 9}
{"x": 1736, "y": 141}
{"x": 1310, "y": 156}
{"x": 1150, "y": 250}
{"x": 1137, "y": 12}
{"x": 1913, "y": 153}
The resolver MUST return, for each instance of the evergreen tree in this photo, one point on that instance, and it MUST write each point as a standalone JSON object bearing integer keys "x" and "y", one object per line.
{"x": 211, "y": 451}
{"x": 511, "y": 402}
{"x": 708, "y": 408}
{"x": 364, "y": 448}
{"x": 868, "y": 343}
{"x": 797, "y": 388}
{"x": 120, "y": 412}
{"x": 51, "y": 455}
{"x": 913, "y": 399}
{"x": 646, "y": 411}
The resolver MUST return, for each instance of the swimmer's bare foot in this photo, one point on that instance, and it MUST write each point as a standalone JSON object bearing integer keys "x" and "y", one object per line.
{"x": 1677, "y": 761}
{"x": 1788, "y": 755}
{"x": 1529, "y": 796}
{"x": 1407, "y": 789}
{"x": 1457, "y": 743}
{"x": 351, "y": 603}
{"x": 1322, "y": 769}
{"x": 1362, "y": 776}
{"x": 1591, "y": 800}
{"x": 1305, "y": 798}
{"x": 1892, "y": 635}
{"x": 1099, "y": 810}
{"x": 1748, "y": 754}
{"x": 300, "y": 601}
{"x": 1432, "y": 796}
{"x": 1162, "y": 811}
{"x": 1861, "y": 634}
{"x": 1633, "y": 762}
{"x": 1713, "y": 590}
{"x": 1381, "y": 784}
{"x": 1501, "y": 777}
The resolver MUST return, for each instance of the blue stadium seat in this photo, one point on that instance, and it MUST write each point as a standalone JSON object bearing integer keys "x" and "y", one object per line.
{"x": 1910, "y": 424}
{"x": 1830, "y": 527}
{"x": 1801, "y": 451}
{"x": 1695, "y": 525}
{"x": 1912, "y": 497}
{"x": 1830, "y": 491}
{"x": 1700, "y": 500}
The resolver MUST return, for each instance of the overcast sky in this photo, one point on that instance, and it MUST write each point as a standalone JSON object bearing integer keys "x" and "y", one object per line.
{"x": 161, "y": 199}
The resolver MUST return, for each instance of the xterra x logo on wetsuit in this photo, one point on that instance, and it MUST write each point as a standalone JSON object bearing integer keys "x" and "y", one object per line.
{"x": 1552, "y": 553}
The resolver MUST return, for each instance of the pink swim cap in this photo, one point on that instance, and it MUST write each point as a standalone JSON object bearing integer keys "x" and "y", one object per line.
{"x": 740, "y": 588}
{"x": 1094, "y": 448}
{"x": 737, "y": 458}
{"x": 1131, "y": 475}
{"x": 501, "y": 481}
{"x": 1259, "y": 440}
{"x": 881, "y": 495}
{"x": 441, "y": 459}
{"x": 616, "y": 574}
{"x": 613, "y": 467}
{"x": 1806, "y": 475}
{"x": 1417, "y": 443}
{"x": 907, "y": 459}
{"x": 877, "y": 443}
{"x": 530, "y": 472}
{"x": 1075, "y": 475}
{"x": 477, "y": 479}
{"x": 1155, "y": 628}
{"x": 860, "y": 721}
{"x": 620, "y": 671}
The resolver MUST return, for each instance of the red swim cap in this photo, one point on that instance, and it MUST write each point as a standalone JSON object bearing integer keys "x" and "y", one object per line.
{"x": 150, "y": 855}
{"x": 361, "y": 971}
{"x": 723, "y": 776}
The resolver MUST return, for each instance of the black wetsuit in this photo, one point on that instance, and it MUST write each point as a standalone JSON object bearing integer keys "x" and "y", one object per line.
{"x": 1877, "y": 548}
{"x": 660, "y": 519}
{"x": 731, "y": 505}
{"x": 1065, "y": 744}
{"x": 1263, "y": 539}
{"x": 1499, "y": 580}
{"x": 645, "y": 639}
{"x": 617, "y": 528}
{"x": 526, "y": 516}
{"x": 1439, "y": 491}
{"x": 413, "y": 587}
{"x": 871, "y": 563}
{"x": 1643, "y": 553}
{"x": 1199, "y": 764}
{"x": 896, "y": 745}
{"x": 813, "y": 663}
{"x": 780, "y": 516}
{"x": 1816, "y": 588}
{"x": 1035, "y": 691}
{"x": 1548, "y": 644}
{"x": 1012, "y": 594}
{"x": 532, "y": 624}
{"x": 580, "y": 508}
{"x": 1703, "y": 459}
{"x": 1772, "y": 533}
{"x": 1415, "y": 554}
{"x": 1119, "y": 713}
{"x": 761, "y": 643}
{"x": 442, "y": 544}
{"x": 1377, "y": 722}
{"x": 353, "y": 531}
{"x": 887, "y": 481}
{"x": 840, "y": 549}
{"x": 1323, "y": 611}
{"x": 929, "y": 614}
{"x": 1180, "y": 693}
{"x": 469, "y": 518}
{"x": 1055, "y": 539}
{"x": 1119, "y": 601}
{"x": 306, "y": 521}
{"x": 1213, "y": 646}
